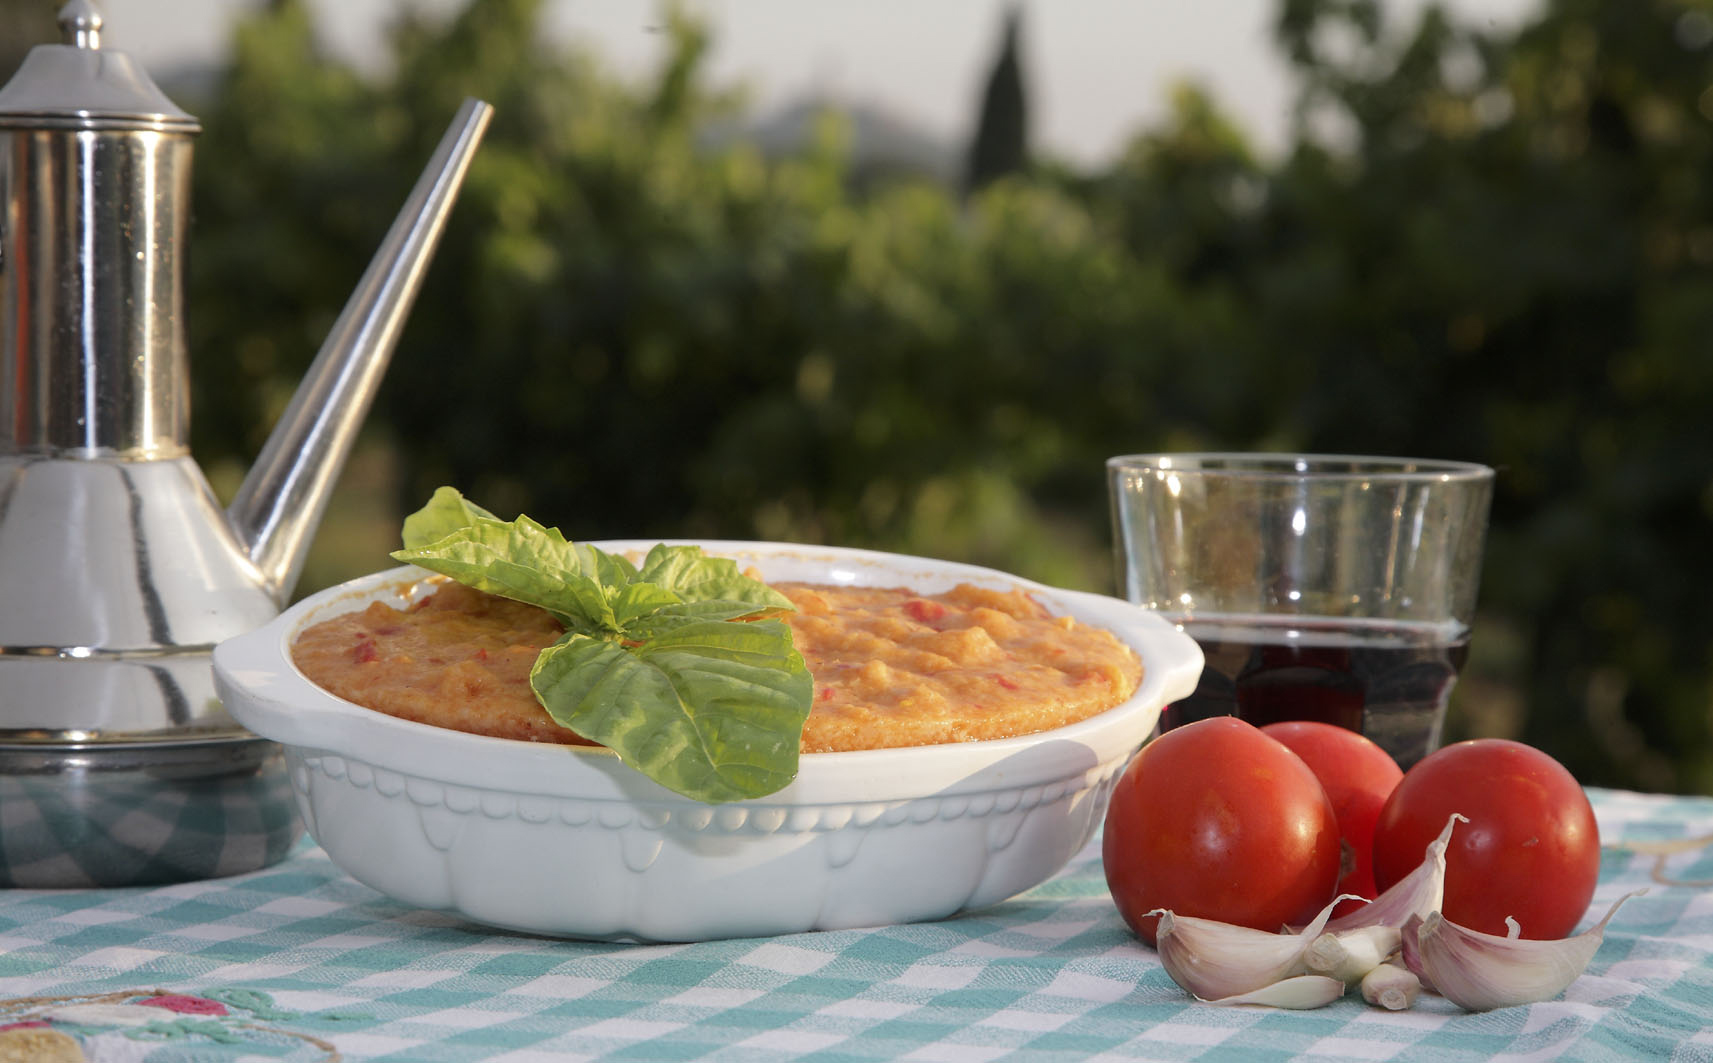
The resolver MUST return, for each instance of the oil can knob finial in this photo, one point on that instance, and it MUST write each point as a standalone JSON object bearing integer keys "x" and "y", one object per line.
{"x": 80, "y": 24}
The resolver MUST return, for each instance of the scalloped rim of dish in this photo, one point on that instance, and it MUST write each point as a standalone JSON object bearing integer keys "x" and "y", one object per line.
{"x": 266, "y": 692}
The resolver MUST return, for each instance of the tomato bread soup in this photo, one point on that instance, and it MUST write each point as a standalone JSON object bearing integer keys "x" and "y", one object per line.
{"x": 894, "y": 668}
{"x": 459, "y": 658}
{"x": 891, "y": 667}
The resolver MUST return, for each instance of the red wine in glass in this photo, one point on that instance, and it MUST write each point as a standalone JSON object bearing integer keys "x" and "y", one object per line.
{"x": 1389, "y": 680}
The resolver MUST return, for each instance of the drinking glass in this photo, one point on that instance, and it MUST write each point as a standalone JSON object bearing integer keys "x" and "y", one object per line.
{"x": 1321, "y": 587}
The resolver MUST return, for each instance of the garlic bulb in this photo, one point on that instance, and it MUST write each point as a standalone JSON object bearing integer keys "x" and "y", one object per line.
{"x": 1478, "y": 971}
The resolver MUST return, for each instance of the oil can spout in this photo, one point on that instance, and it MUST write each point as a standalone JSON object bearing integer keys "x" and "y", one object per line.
{"x": 280, "y": 503}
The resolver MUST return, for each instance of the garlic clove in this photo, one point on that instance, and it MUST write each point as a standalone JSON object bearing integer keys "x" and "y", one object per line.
{"x": 1299, "y": 993}
{"x": 1391, "y": 987}
{"x": 1350, "y": 955}
{"x": 1213, "y": 960}
{"x": 1479, "y": 972}
{"x": 1410, "y": 952}
{"x": 1418, "y": 893}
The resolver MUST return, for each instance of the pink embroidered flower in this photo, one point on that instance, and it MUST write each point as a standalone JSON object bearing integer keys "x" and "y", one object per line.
{"x": 186, "y": 1005}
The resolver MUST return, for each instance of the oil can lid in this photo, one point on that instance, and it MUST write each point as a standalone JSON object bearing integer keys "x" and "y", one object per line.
{"x": 79, "y": 85}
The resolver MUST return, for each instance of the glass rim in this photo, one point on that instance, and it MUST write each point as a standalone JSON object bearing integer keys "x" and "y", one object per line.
{"x": 1289, "y": 465}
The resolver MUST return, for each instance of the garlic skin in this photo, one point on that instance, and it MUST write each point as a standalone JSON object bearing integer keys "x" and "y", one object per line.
{"x": 1215, "y": 960}
{"x": 1391, "y": 987}
{"x": 1419, "y": 893}
{"x": 1350, "y": 955}
{"x": 1479, "y": 972}
{"x": 1298, "y": 993}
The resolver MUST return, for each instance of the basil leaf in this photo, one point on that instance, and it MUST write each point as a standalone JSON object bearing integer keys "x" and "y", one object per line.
{"x": 635, "y": 601}
{"x": 445, "y": 513}
{"x": 523, "y": 561}
{"x": 710, "y": 709}
{"x": 695, "y": 577}
{"x": 610, "y": 570}
{"x": 716, "y": 609}
{"x": 675, "y": 665}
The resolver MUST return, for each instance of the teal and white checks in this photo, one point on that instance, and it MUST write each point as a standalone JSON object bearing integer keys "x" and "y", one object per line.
{"x": 299, "y": 962}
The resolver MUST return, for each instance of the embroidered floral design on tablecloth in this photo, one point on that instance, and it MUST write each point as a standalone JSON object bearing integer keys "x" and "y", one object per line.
{"x": 117, "y": 1026}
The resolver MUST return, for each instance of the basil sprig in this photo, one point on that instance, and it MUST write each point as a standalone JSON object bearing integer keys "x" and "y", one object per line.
{"x": 681, "y": 665}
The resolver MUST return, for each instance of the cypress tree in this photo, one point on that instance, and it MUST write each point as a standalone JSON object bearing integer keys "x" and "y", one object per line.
{"x": 1001, "y": 136}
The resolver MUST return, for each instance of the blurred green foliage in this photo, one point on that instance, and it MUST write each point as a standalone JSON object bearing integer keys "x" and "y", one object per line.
{"x": 1485, "y": 245}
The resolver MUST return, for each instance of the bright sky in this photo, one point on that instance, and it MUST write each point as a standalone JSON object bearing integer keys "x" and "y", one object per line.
{"x": 1096, "y": 70}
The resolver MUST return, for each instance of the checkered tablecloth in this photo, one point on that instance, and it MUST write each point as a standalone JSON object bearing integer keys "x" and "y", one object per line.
{"x": 299, "y": 962}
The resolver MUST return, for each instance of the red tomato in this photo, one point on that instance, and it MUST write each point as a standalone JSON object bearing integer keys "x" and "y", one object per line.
{"x": 1530, "y": 850}
{"x": 1357, "y": 776}
{"x": 1214, "y": 819}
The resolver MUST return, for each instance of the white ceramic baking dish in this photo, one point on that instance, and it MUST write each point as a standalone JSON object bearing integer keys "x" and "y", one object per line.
{"x": 569, "y": 841}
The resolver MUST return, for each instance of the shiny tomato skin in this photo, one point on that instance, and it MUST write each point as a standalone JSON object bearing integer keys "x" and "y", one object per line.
{"x": 1531, "y": 848}
{"x": 1358, "y": 776}
{"x": 1214, "y": 819}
